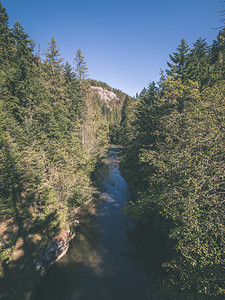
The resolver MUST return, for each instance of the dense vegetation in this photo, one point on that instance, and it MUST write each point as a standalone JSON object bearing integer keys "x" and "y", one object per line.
{"x": 174, "y": 154}
{"x": 54, "y": 129}
{"x": 53, "y": 132}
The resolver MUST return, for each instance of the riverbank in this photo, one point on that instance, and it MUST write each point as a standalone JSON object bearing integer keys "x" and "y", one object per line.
{"x": 21, "y": 278}
{"x": 96, "y": 266}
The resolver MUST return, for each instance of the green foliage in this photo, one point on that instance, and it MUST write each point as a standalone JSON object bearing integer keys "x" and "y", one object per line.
{"x": 174, "y": 156}
{"x": 179, "y": 60}
{"x": 52, "y": 135}
{"x": 81, "y": 68}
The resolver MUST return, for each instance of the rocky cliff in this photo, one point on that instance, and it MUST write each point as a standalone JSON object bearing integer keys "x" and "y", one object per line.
{"x": 109, "y": 97}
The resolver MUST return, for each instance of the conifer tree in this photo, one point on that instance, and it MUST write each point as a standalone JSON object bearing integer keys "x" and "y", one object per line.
{"x": 81, "y": 71}
{"x": 20, "y": 72}
{"x": 73, "y": 92}
{"x": 197, "y": 68}
{"x": 81, "y": 68}
{"x": 179, "y": 60}
{"x": 53, "y": 57}
{"x": 142, "y": 93}
{"x": 124, "y": 109}
{"x": 68, "y": 73}
{"x": 54, "y": 69}
{"x": 22, "y": 39}
{"x": 6, "y": 40}
{"x": 217, "y": 57}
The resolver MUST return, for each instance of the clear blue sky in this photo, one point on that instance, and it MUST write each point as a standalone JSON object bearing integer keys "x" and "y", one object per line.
{"x": 125, "y": 42}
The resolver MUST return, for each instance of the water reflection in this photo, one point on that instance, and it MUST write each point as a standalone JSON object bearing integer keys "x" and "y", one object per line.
{"x": 147, "y": 247}
{"x": 64, "y": 275}
{"x": 95, "y": 267}
{"x": 109, "y": 258}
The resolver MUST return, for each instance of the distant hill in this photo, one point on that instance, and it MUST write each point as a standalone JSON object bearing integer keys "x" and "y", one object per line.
{"x": 120, "y": 94}
{"x": 107, "y": 96}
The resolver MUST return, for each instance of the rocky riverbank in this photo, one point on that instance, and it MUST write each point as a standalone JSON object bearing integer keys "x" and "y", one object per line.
{"x": 55, "y": 250}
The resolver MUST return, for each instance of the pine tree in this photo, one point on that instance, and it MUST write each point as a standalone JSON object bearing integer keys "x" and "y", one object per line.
{"x": 22, "y": 39}
{"x": 73, "y": 92}
{"x": 81, "y": 68}
{"x": 142, "y": 93}
{"x": 124, "y": 109}
{"x": 179, "y": 60}
{"x": 53, "y": 57}
{"x": 20, "y": 72}
{"x": 6, "y": 41}
{"x": 218, "y": 56}
{"x": 68, "y": 73}
{"x": 54, "y": 69}
{"x": 198, "y": 62}
{"x": 81, "y": 71}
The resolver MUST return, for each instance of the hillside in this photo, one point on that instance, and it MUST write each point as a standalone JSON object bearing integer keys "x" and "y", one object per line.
{"x": 109, "y": 97}
{"x": 54, "y": 129}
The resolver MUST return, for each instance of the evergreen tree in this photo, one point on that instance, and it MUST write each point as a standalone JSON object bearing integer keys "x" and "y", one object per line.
{"x": 54, "y": 69}
{"x": 45, "y": 169}
{"x": 124, "y": 109}
{"x": 6, "y": 40}
{"x": 69, "y": 75}
{"x": 73, "y": 92}
{"x": 218, "y": 56}
{"x": 179, "y": 60}
{"x": 142, "y": 93}
{"x": 81, "y": 68}
{"x": 81, "y": 71}
{"x": 197, "y": 68}
{"x": 22, "y": 39}
{"x": 21, "y": 72}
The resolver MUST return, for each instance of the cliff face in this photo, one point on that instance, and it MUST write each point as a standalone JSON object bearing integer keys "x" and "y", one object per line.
{"x": 109, "y": 97}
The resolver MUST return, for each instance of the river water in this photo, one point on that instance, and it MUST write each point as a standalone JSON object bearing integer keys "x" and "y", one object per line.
{"x": 96, "y": 265}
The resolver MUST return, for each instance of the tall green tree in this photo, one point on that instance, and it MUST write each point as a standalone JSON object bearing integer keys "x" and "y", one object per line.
{"x": 54, "y": 69}
{"x": 81, "y": 68}
{"x": 21, "y": 72}
{"x": 68, "y": 73}
{"x": 81, "y": 71}
{"x": 218, "y": 56}
{"x": 198, "y": 67}
{"x": 73, "y": 92}
{"x": 6, "y": 40}
{"x": 178, "y": 61}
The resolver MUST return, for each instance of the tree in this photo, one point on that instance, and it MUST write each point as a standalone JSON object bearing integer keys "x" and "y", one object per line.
{"x": 68, "y": 73}
{"x": 53, "y": 57}
{"x": 179, "y": 60}
{"x": 81, "y": 68}
{"x": 124, "y": 109}
{"x": 22, "y": 39}
{"x": 197, "y": 68}
{"x": 6, "y": 40}
{"x": 73, "y": 92}
{"x": 20, "y": 72}
{"x": 54, "y": 69}
{"x": 218, "y": 56}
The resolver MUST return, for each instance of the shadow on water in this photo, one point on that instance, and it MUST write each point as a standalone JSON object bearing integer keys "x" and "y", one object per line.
{"x": 95, "y": 266}
{"x": 63, "y": 278}
{"x": 110, "y": 258}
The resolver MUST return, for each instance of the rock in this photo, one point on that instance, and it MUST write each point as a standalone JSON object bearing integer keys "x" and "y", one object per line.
{"x": 53, "y": 252}
{"x": 39, "y": 265}
{"x": 108, "y": 97}
{"x": 76, "y": 222}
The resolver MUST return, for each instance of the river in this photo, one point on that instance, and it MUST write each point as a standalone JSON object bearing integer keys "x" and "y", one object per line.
{"x": 96, "y": 265}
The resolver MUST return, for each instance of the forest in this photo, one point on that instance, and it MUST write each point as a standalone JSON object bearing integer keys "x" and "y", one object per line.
{"x": 54, "y": 131}
{"x": 173, "y": 156}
